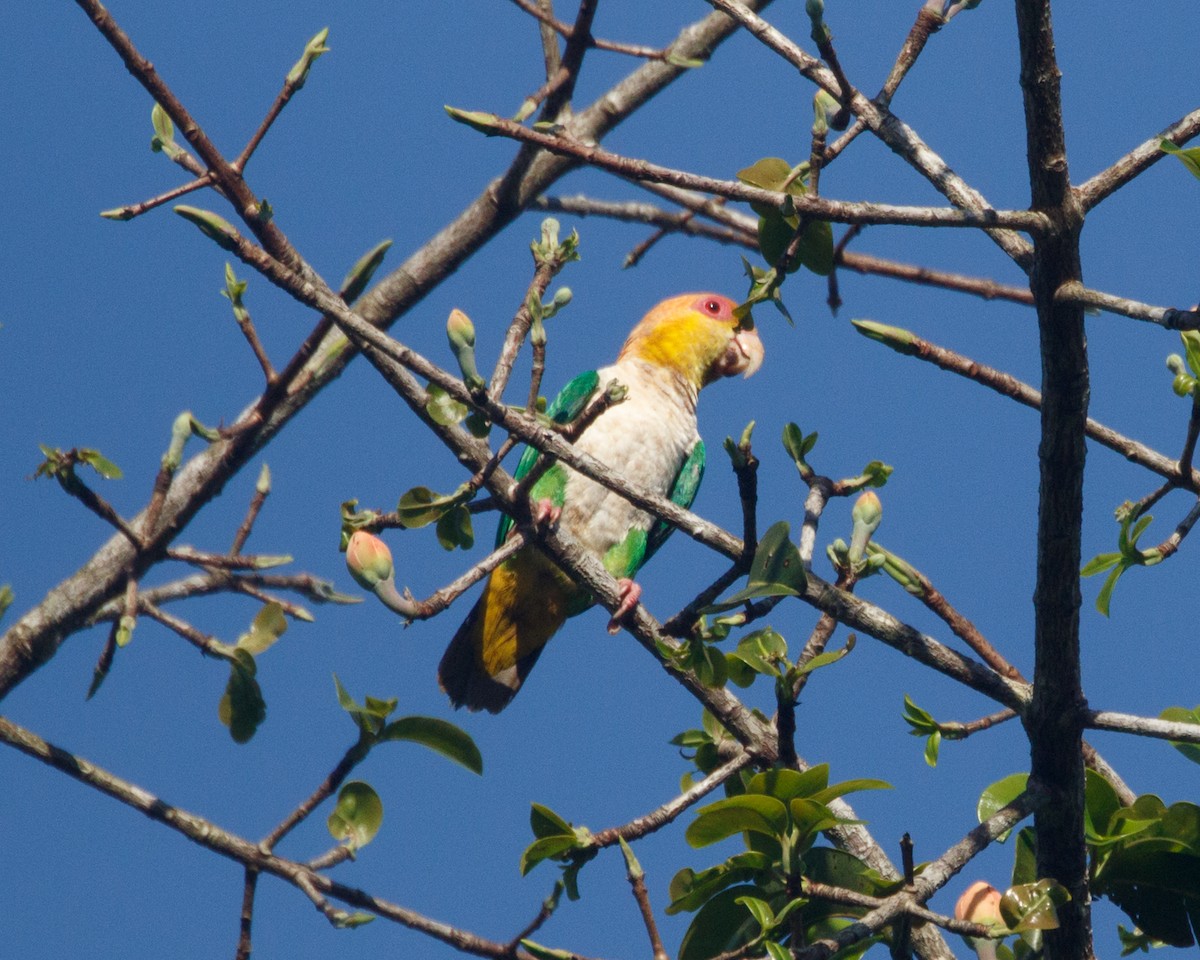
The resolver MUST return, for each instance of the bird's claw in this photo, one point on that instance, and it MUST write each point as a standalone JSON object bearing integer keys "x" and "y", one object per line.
{"x": 630, "y": 594}
{"x": 546, "y": 514}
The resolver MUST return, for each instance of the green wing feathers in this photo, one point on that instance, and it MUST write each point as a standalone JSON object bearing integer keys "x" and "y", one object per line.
{"x": 569, "y": 404}
{"x": 683, "y": 492}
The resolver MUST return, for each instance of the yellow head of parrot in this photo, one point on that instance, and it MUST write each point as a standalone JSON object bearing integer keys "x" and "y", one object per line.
{"x": 697, "y": 336}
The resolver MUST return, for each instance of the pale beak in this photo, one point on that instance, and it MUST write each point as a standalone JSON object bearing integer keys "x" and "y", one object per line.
{"x": 749, "y": 353}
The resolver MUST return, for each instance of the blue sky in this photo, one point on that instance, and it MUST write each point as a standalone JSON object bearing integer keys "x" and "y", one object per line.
{"x": 111, "y": 329}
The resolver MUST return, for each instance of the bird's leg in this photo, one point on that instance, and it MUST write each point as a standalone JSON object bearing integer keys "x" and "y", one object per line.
{"x": 630, "y": 594}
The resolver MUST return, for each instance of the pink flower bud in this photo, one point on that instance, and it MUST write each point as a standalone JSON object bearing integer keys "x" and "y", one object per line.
{"x": 369, "y": 560}
{"x": 980, "y": 903}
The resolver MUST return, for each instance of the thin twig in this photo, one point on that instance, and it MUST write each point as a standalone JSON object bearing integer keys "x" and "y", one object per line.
{"x": 567, "y": 32}
{"x": 1022, "y": 393}
{"x": 657, "y": 819}
{"x": 1137, "y": 161}
{"x": 818, "y": 208}
{"x": 246, "y": 916}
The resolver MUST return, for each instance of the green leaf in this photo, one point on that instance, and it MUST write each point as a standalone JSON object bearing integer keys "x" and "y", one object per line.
{"x": 217, "y": 229}
{"x": 920, "y": 720}
{"x": 361, "y": 273}
{"x": 725, "y": 818}
{"x": 1033, "y": 906}
{"x": 546, "y": 953}
{"x": 1100, "y": 563}
{"x": 454, "y": 528}
{"x": 690, "y": 890}
{"x": 438, "y": 735}
{"x": 722, "y": 924}
{"x": 901, "y": 340}
{"x": 369, "y": 717}
{"x": 348, "y": 921}
{"x": 421, "y": 506}
{"x": 312, "y": 50}
{"x": 1191, "y": 346}
{"x": 798, "y": 445}
{"x": 847, "y": 787}
{"x": 546, "y": 823}
{"x": 678, "y": 60}
{"x": 825, "y": 659}
{"x": 1025, "y": 857}
{"x": 358, "y": 814}
{"x": 485, "y": 123}
{"x": 6, "y": 598}
{"x": 777, "y": 951}
{"x": 1189, "y": 157}
{"x": 268, "y": 626}
{"x": 1175, "y": 715}
{"x": 443, "y": 408}
{"x": 100, "y": 463}
{"x": 999, "y": 795}
{"x": 932, "y": 747}
{"x": 1104, "y": 597}
{"x": 242, "y": 708}
{"x": 547, "y": 848}
{"x": 810, "y": 816}
{"x": 783, "y": 783}
{"x": 1100, "y": 804}
{"x": 763, "y": 915}
{"x": 777, "y": 571}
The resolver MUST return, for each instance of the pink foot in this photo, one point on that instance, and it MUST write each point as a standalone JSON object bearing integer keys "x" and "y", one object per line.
{"x": 546, "y": 514}
{"x": 631, "y": 593}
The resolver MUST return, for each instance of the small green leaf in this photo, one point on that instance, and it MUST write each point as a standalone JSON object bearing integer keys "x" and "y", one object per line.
{"x": 479, "y": 120}
{"x": 363, "y": 270}
{"x": 443, "y": 408}
{"x": 722, "y": 924}
{"x": 6, "y": 598}
{"x": 348, "y": 921}
{"x": 999, "y": 795}
{"x": 725, "y": 818}
{"x": 547, "y": 848}
{"x": 1104, "y": 597}
{"x": 1189, "y": 157}
{"x": 370, "y": 717}
{"x": 678, "y": 60}
{"x": 242, "y": 708}
{"x": 899, "y": 339}
{"x": 1100, "y": 563}
{"x": 1033, "y": 906}
{"x": 217, "y": 229}
{"x": 1175, "y": 715}
{"x": 760, "y": 910}
{"x": 454, "y": 528}
{"x": 297, "y": 76}
{"x": 358, "y": 815}
{"x": 546, "y": 953}
{"x": 546, "y": 823}
{"x": 858, "y": 785}
{"x": 776, "y": 571}
{"x": 932, "y": 747}
{"x": 825, "y": 659}
{"x": 439, "y": 735}
{"x": 101, "y": 464}
{"x": 268, "y": 626}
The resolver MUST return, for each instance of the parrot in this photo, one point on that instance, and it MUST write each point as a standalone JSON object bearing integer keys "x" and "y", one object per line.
{"x": 650, "y": 437}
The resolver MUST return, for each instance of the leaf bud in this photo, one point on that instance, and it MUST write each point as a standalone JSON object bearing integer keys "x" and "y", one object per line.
{"x": 313, "y": 49}
{"x": 867, "y": 514}
{"x": 461, "y": 334}
{"x": 899, "y": 339}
